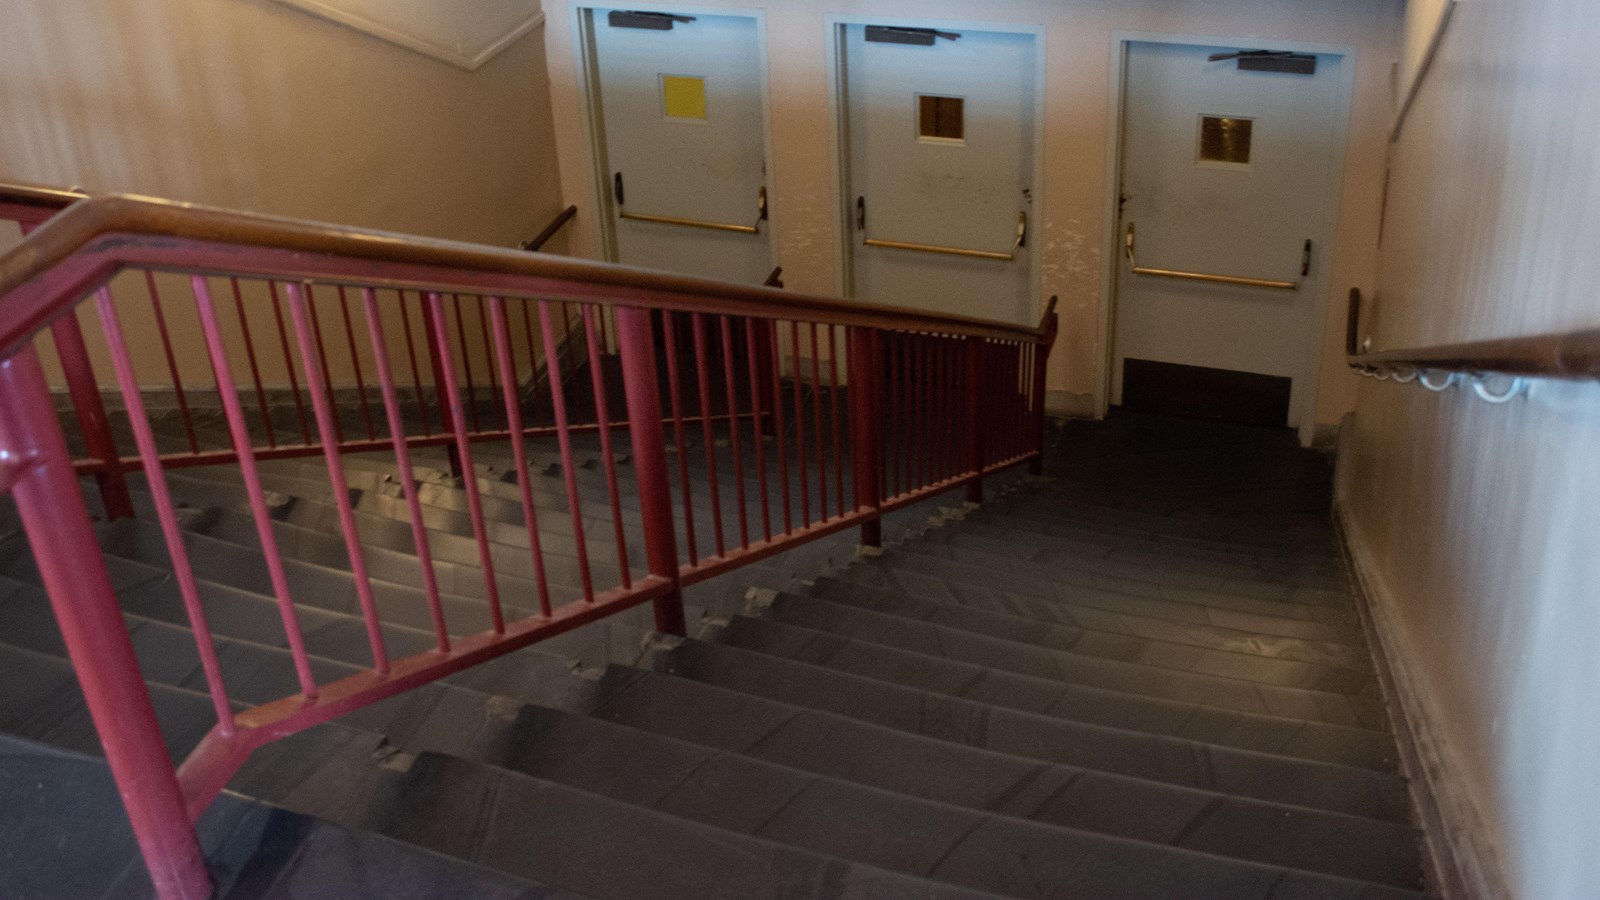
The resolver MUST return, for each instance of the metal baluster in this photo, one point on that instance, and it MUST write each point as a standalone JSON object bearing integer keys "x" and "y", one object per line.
{"x": 558, "y": 406}
{"x": 255, "y": 369}
{"x": 243, "y": 448}
{"x": 816, "y": 410}
{"x": 355, "y": 363}
{"x": 323, "y": 407}
{"x": 402, "y": 458}
{"x": 172, "y": 361}
{"x": 288, "y": 363}
{"x": 322, "y": 356}
{"x": 703, "y": 376}
{"x": 411, "y": 357}
{"x": 777, "y": 418}
{"x": 508, "y": 375}
{"x": 752, "y": 359}
{"x": 598, "y": 382}
{"x": 469, "y": 473}
{"x": 466, "y": 366}
{"x": 733, "y": 430}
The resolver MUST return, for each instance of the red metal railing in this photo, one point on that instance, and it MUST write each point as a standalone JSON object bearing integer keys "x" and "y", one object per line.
{"x": 832, "y": 414}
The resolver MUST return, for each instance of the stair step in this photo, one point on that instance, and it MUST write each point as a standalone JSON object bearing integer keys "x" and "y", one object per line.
{"x": 548, "y": 832}
{"x": 1065, "y": 628}
{"x": 1329, "y": 586}
{"x": 961, "y": 775}
{"x": 998, "y": 716}
{"x": 252, "y": 849}
{"x": 909, "y": 563}
{"x": 1071, "y": 657}
{"x": 1258, "y": 596}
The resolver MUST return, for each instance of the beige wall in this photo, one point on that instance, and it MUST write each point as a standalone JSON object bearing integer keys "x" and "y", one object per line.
{"x": 252, "y": 105}
{"x": 1478, "y": 522}
{"x": 1071, "y": 239}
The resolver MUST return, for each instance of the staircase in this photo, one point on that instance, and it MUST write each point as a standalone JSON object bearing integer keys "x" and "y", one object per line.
{"x": 1140, "y": 676}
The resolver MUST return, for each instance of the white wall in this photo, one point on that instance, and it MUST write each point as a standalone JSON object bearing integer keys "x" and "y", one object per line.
{"x": 1480, "y": 523}
{"x": 253, "y": 105}
{"x": 1078, "y": 47}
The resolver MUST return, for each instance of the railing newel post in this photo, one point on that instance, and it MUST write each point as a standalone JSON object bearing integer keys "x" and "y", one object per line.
{"x": 865, "y": 366}
{"x": 640, "y": 384}
{"x": 1041, "y": 364}
{"x": 67, "y": 554}
{"x": 91, "y": 412}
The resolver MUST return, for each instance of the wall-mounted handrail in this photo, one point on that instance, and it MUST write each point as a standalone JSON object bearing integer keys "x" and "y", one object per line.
{"x": 538, "y": 241}
{"x": 1567, "y": 355}
{"x": 1305, "y": 269}
{"x": 906, "y": 402}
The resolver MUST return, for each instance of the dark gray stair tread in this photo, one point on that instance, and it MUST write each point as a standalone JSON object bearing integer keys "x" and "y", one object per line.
{"x": 68, "y": 837}
{"x": 965, "y": 661}
{"x": 1043, "y": 647}
{"x": 965, "y": 776}
{"x": 837, "y": 818}
{"x": 1271, "y": 600}
{"x": 1048, "y": 513}
{"x": 1089, "y": 608}
{"x": 237, "y": 566}
{"x": 1311, "y": 740}
{"x": 1015, "y": 866}
{"x": 1025, "y": 733}
{"x": 1058, "y": 627}
{"x": 1289, "y": 620}
{"x": 1225, "y": 578}
{"x": 992, "y": 522}
{"x": 555, "y": 834}
{"x": 386, "y": 521}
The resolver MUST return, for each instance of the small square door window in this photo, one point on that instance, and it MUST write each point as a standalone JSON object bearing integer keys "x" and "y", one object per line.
{"x": 941, "y": 118}
{"x": 1225, "y": 139}
{"x": 683, "y": 97}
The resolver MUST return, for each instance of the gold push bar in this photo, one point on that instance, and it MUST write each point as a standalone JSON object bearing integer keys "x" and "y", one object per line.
{"x": 761, "y": 215}
{"x": 1305, "y": 268}
{"x": 1022, "y": 233}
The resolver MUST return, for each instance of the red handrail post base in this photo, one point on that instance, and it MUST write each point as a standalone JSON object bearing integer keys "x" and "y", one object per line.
{"x": 67, "y": 553}
{"x": 635, "y": 336}
{"x": 976, "y": 348}
{"x": 91, "y": 410}
{"x": 866, "y": 416}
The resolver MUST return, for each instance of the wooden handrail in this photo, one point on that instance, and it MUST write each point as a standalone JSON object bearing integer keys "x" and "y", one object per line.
{"x": 1568, "y": 355}
{"x": 538, "y": 241}
{"x": 84, "y": 244}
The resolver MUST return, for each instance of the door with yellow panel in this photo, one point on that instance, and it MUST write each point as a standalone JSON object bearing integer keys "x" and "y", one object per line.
{"x": 679, "y": 121}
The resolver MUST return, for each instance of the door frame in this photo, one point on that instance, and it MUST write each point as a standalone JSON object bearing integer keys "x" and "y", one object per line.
{"x": 594, "y": 119}
{"x": 839, "y": 146}
{"x": 1111, "y": 241}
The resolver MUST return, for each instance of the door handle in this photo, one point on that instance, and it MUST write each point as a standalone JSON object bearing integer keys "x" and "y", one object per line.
{"x": 1305, "y": 269}
{"x": 761, "y": 215}
{"x": 1006, "y": 256}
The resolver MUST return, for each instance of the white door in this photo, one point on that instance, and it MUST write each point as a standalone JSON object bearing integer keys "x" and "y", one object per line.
{"x": 680, "y": 122}
{"x": 1227, "y": 165}
{"x": 939, "y": 126}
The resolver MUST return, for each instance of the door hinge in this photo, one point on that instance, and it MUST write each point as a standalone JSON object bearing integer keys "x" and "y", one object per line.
{"x": 616, "y": 187}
